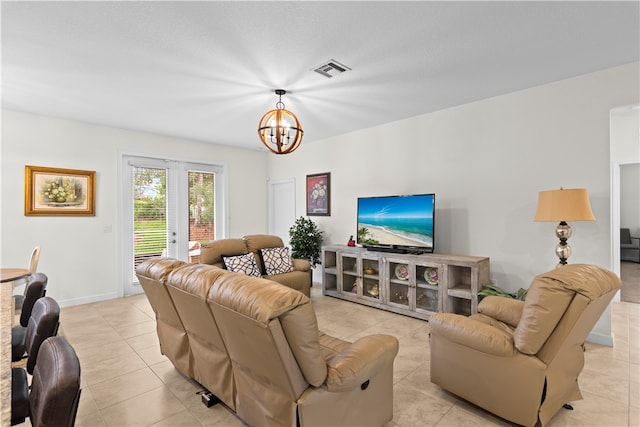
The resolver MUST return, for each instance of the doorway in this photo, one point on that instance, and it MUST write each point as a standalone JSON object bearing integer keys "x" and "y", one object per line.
{"x": 625, "y": 158}
{"x": 630, "y": 219}
{"x": 282, "y": 208}
{"x": 169, "y": 208}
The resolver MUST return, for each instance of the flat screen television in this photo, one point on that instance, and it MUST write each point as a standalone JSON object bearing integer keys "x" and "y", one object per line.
{"x": 397, "y": 223}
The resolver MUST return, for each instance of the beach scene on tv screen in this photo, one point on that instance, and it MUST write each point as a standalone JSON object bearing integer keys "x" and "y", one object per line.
{"x": 405, "y": 221}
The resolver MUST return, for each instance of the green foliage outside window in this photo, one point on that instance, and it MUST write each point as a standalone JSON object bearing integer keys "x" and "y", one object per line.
{"x": 150, "y": 206}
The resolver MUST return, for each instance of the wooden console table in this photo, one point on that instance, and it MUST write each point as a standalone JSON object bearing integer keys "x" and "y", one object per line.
{"x": 413, "y": 285}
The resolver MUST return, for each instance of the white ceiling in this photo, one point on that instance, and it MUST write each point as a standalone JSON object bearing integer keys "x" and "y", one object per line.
{"x": 207, "y": 70}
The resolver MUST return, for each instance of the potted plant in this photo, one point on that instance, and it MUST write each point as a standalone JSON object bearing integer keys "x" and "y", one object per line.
{"x": 493, "y": 290}
{"x": 306, "y": 240}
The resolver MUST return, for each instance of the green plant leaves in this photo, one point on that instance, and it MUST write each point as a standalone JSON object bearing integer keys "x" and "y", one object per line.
{"x": 493, "y": 290}
{"x": 306, "y": 240}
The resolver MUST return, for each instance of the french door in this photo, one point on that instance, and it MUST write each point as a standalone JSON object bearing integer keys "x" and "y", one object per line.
{"x": 169, "y": 209}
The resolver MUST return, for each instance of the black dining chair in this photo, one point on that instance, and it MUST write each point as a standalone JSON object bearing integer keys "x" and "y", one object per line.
{"x": 34, "y": 291}
{"x": 43, "y": 324}
{"x": 33, "y": 266}
{"x": 36, "y": 288}
{"x": 55, "y": 387}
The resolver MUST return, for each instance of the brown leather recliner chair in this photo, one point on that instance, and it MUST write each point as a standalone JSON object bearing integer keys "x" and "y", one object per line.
{"x": 174, "y": 341}
{"x": 521, "y": 360}
{"x": 189, "y": 286}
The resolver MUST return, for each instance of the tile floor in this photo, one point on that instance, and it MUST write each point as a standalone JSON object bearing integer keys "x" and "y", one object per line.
{"x": 126, "y": 382}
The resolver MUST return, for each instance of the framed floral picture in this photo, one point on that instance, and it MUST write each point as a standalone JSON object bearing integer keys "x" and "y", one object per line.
{"x": 319, "y": 194}
{"x": 59, "y": 192}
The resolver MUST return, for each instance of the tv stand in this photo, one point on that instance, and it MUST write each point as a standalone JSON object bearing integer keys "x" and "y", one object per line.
{"x": 416, "y": 285}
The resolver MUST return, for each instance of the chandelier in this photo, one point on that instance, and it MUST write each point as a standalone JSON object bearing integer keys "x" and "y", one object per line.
{"x": 279, "y": 129}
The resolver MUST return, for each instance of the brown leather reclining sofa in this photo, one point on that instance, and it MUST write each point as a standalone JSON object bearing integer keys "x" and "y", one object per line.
{"x": 255, "y": 344}
{"x": 213, "y": 251}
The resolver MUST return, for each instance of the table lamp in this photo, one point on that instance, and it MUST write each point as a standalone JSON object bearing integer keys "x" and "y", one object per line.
{"x": 564, "y": 205}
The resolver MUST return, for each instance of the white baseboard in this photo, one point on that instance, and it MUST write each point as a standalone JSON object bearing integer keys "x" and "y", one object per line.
{"x": 87, "y": 300}
{"x": 601, "y": 339}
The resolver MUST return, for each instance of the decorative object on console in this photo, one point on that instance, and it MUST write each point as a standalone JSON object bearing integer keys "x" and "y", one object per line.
{"x": 242, "y": 264}
{"x": 399, "y": 297}
{"x": 319, "y": 194}
{"x": 431, "y": 275}
{"x": 356, "y": 285}
{"x": 306, "y": 240}
{"x": 370, "y": 270}
{"x": 279, "y": 129}
{"x": 564, "y": 205}
{"x": 276, "y": 260}
{"x": 351, "y": 242}
{"x": 402, "y": 271}
{"x": 374, "y": 291}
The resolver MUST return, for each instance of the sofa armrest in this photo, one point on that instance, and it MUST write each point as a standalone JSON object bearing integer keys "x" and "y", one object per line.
{"x": 301, "y": 264}
{"x": 360, "y": 361}
{"x": 506, "y": 310}
{"x": 471, "y": 333}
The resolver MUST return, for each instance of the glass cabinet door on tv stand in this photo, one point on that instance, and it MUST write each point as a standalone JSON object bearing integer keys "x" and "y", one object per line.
{"x": 353, "y": 275}
{"x": 361, "y": 276}
{"x": 407, "y": 287}
{"x": 427, "y": 297}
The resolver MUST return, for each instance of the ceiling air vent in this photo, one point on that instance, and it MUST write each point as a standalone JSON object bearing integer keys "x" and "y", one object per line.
{"x": 331, "y": 68}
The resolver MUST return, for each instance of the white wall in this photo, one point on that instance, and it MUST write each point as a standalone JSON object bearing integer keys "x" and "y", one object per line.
{"x": 79, "y": 254}
{"x": 486, "y": 161}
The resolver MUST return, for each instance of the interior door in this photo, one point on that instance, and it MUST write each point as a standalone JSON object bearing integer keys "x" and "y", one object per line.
{"x": 169, "y": 209}
{"x": 282, "y": 208}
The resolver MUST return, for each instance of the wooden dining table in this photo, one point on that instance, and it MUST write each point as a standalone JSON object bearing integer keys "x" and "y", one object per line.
{"x": 7, "y": 277}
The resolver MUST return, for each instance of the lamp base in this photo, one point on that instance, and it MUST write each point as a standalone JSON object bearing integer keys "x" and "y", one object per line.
{"x": 563, "y": 250}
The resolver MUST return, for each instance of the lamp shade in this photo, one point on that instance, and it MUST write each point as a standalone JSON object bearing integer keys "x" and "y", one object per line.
{"x": 564, "y": 205}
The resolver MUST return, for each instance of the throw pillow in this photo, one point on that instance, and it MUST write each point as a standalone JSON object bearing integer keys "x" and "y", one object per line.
{"x": 242, "y": 264}
{"x": 276, "y": 260}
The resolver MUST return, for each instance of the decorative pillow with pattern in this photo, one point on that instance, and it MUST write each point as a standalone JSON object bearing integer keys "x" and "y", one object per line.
{"x": 276, "y": 260}
{"x": 242, "y": 264}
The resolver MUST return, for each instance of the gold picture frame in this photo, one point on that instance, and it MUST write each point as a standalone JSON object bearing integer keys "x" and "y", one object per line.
{"x": 59, "y": 192}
